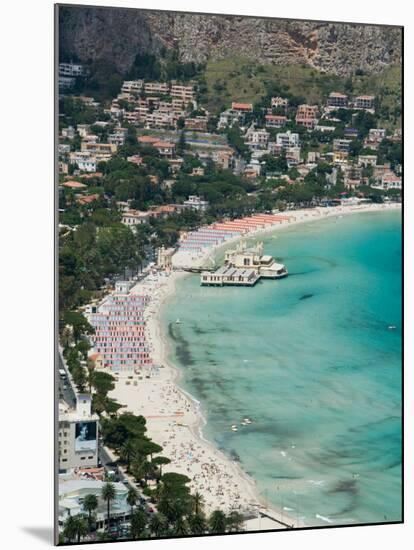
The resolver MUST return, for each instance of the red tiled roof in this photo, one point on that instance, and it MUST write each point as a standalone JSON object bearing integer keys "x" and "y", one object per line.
{"x": 74, "y": 184}
{"x": 247, "y": 106}
{"x": 147, "y": 139}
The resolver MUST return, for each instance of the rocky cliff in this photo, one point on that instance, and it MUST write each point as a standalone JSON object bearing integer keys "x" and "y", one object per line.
{"x": 118, "y": 35}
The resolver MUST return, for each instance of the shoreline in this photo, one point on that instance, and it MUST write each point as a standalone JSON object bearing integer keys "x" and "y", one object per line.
{"x": 174, "y": 417}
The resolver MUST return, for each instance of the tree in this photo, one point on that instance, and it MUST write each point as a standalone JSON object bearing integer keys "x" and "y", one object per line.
{"x": 182, "y": 144}
{"x": 79, "y": 377}
{"x": 197, "y": 524}
{"x": 158, "y": 525}
{"x": 132, "y": 498}
{"x": 198, "y": 502}
{"x": 66, "y": 338}
{"x": 234, "y": 522}
{"x": 75, "y": 528}
{"x": 217, "y": 522}
{"x": 79, "y": 323}
{"x": 90, "y": 504}
{"x": 138, "y": 523}
{"x": 142, "y": 470}
{"x": 69, "y": 528}
{"x": 281, "y": 206}
{"x": 108, "y": 495}
{"x": 180, "y": 527}
{"x": 127, "y": 452}
{"x": 159, "y": 461}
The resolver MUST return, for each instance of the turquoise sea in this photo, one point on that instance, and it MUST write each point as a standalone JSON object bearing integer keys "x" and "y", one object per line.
{"x": 312, "y": 361}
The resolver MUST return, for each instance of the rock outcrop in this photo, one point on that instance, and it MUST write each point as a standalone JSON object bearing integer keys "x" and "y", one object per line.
{"x": 119, "y": 34}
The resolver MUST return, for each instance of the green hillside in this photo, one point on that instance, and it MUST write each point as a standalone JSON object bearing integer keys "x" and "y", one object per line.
{"x": 238, "y": 79}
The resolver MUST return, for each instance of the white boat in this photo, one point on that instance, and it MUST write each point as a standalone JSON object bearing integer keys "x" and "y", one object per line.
{"x": 392, "y": 327}
{"x": 247, "y": 420}
{"x": 178, "y": 321}
{"x": 234, "y": 428}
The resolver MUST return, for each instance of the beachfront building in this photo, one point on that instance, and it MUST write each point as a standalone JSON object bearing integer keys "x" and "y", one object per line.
{"x": 244, "y": 267}
{"x": 253, "y": 257}
{"x": 72, "y": 492}
{"x": 164, "y": 258}
{"x": 230, "y": 276}
{"x": 78, "y": 435}
{"x": 120, "y": 332}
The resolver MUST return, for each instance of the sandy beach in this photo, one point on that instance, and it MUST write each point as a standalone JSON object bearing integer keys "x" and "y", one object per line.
{"x": 174, "y": 419}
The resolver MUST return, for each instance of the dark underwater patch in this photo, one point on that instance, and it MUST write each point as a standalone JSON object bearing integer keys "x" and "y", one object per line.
{"x": 306, "y": 296}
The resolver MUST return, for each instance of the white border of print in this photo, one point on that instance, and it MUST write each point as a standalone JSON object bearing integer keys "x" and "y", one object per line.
{"x": 27, "y": 264}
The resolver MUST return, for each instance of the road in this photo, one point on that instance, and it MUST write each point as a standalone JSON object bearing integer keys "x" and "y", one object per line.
{"x": 66, "y": 391}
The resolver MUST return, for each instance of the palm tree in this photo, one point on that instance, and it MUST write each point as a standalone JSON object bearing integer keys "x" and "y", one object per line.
{"x": 75, "y": 527}
{"x": 180, "y": 527}
{"x": 132, "y": 498}
{"x": 197, "y": 524}
{"x": 235, "y": 522}
{"x": 81, "y": 527}
{"x": 90, "y": 504}
{"x": 158, "y": 525}
{"x": 217, "y": 522}
{"x": 66, "y": 337}
{"x": 69, "y": 529}
{"x": 138, "y": 523}
{"x": 108, "y": 494}
{"x": 198, "y": 502}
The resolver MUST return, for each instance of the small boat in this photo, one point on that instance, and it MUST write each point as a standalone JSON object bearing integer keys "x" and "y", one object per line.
{"x": 247, "y": 420}
{"x": 244, "y": 423}
{"x": 178, "y": 321}
{"x": 392, "y": 327}
{"x": 234, "y": 428}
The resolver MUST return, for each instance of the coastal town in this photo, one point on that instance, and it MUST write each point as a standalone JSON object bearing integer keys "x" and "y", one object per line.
{"x": 151, "y": 185}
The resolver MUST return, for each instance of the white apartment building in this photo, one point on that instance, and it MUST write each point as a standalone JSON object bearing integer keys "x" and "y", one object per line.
{"x": 72, "y": 492}
{"x": 196, "y": 203}
{"x": 78, "y": 435}
{"x": 287, "y": 139}
{"x": 71, "y": 69}
{"x": 83, "y": 160}
{"x": 257, "y": 139}
{"x": 135, "y": 217}
{"x": 341, "y": 145}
